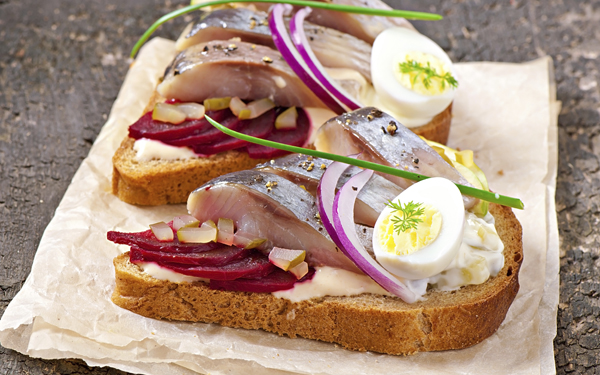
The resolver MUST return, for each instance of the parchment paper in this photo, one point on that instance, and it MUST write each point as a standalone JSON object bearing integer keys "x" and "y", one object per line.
{"x": 506, "y": 113}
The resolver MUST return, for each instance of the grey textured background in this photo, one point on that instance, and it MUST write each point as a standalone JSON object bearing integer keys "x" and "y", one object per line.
{"x": 62, "y": 63}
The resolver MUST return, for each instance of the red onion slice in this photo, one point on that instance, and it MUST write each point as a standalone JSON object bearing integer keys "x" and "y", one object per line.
{"x": 326, "y": 196}
{"x": 284, "y": 44}
{"x": 301, "y": 43}
{"x": 343, "y": 220}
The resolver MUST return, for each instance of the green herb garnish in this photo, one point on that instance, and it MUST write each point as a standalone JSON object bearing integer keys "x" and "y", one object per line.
{"x": 411, "y": 66}
{"x": 410, "y": 215}
{"x": 313, "y": 4}
{"x": 466, "y": 190}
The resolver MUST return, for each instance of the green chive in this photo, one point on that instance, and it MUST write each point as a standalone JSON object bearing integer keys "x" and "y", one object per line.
{"x": 466, "y": 190}
{"x": 313, "y": 4}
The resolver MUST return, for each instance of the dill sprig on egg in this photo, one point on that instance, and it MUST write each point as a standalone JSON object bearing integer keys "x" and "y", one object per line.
{"x": 410, "y": 215}
{"x": 412, "y": 66}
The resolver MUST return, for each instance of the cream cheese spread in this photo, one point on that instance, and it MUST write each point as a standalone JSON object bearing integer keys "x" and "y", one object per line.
{"x": 162, "y": 273}
{"x": 149, "y": 149}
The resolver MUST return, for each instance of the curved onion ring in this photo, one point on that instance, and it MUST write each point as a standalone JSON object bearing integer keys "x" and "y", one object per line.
{"x": 326, "y": 195}
{"x": 343, "y": 220}
{"x": 284, "y": 44}
{"x": 301, "y": 43}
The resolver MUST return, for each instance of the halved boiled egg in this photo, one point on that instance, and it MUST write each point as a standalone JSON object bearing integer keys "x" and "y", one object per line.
{"x": 414, "y": 96}
{"x": 421, "y": 234}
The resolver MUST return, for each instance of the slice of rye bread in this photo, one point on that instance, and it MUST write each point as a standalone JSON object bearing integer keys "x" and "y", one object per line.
{"x": 156, "y": 182}
{"x": 445, "y": 320}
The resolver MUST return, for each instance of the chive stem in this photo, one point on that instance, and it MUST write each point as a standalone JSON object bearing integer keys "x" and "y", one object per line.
{"x": 313, "y": 4}
{"x": 466, "y": 190}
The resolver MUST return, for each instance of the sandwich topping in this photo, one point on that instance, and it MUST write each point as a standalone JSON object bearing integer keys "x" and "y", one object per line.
{"x": 169, "y": 131}
{"x": 276, "y": 240}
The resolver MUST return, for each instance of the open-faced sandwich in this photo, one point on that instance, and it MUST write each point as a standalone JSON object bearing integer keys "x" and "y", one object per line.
{"x": 242, "y": 67}
{"x": 302, "y": 246}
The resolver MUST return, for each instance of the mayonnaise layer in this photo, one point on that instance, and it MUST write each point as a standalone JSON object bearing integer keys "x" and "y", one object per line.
{"x": 149, "y": 149}
{"x": 162, "y": 273}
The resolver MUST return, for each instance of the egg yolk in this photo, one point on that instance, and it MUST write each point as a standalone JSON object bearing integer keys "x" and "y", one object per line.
{"x": 413, "y": 239}
{"x": 414, "y": 80}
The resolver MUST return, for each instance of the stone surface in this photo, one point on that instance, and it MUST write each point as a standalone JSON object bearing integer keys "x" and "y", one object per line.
{"x": 62, "y": 63}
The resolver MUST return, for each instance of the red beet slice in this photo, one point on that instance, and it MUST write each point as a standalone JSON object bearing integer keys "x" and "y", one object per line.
{"x": 259, "y": 127}
{"x": 294, "y": 137}
{"x": 276, "y": 280}
{"x": 209, "y": 134}
{"x": 218, "y": 257}
{"x": 254, "y": 265}
{"x": 147, "y": 240}
{"x": 222, "y": 146}
{"x": 146, "y": 127}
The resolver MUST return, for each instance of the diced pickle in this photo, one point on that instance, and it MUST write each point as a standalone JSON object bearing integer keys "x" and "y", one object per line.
{"x": 215, "y": 104}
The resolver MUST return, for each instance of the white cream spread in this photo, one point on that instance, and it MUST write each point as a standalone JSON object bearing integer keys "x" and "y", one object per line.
{"x": 162, "y": 273}
{"x": 329, "y": 281}
{"x": 149, "y": 149}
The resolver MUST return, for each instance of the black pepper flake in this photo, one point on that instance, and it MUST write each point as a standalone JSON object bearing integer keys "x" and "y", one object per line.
{"x": 376, "y": 113}
{"x": 354, "y": 188}
{"x": 311, "y": 38}
{"x": 176, "y": 72}
{"x": 364, "y": 230}
{"x": 416, "y": 160}
{"x": 384, "y": 132}
{"x": 392, "y": 127}
{"x": 205, "y": 50}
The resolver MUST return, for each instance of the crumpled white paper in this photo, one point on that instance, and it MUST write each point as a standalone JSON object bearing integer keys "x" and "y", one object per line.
{"x": 506, "y": 113}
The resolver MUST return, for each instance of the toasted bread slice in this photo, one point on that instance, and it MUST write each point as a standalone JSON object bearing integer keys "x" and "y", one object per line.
{"x": 446, "y": 320}
{"x": 157, "y": 182}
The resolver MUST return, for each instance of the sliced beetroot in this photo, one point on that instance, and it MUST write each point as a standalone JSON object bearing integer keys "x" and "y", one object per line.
{"x": 218, "y": 257}
{"x": 224, "y": 145}
{"x": 259, "y": 127}
{"x": 294, "y": 137}
{"x": 147, "y": 240}
{"x": 252, "y": 266}
{"x": 209, "y": 134}
{"x": 146, "y": 127}
{"x": 276, "y": 280}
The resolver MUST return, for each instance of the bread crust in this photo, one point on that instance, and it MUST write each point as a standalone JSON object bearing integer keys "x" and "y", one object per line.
{"x": 446, "y": 320}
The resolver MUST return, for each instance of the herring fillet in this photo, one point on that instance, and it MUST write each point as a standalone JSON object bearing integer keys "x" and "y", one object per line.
{"x": 371, "y": 200}
{"x": 286, "y": 214}
{"x": 224, "y": 24}
{"x": 252, "y": 27}
{"x": 361, "y": 26}
{"x": 222, "y": 68}
{"x": 364, "y": 132}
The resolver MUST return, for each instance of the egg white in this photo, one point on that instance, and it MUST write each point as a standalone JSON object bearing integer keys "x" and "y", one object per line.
{"x": 432, "y": 259}
{"x": 389, "y": 50}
